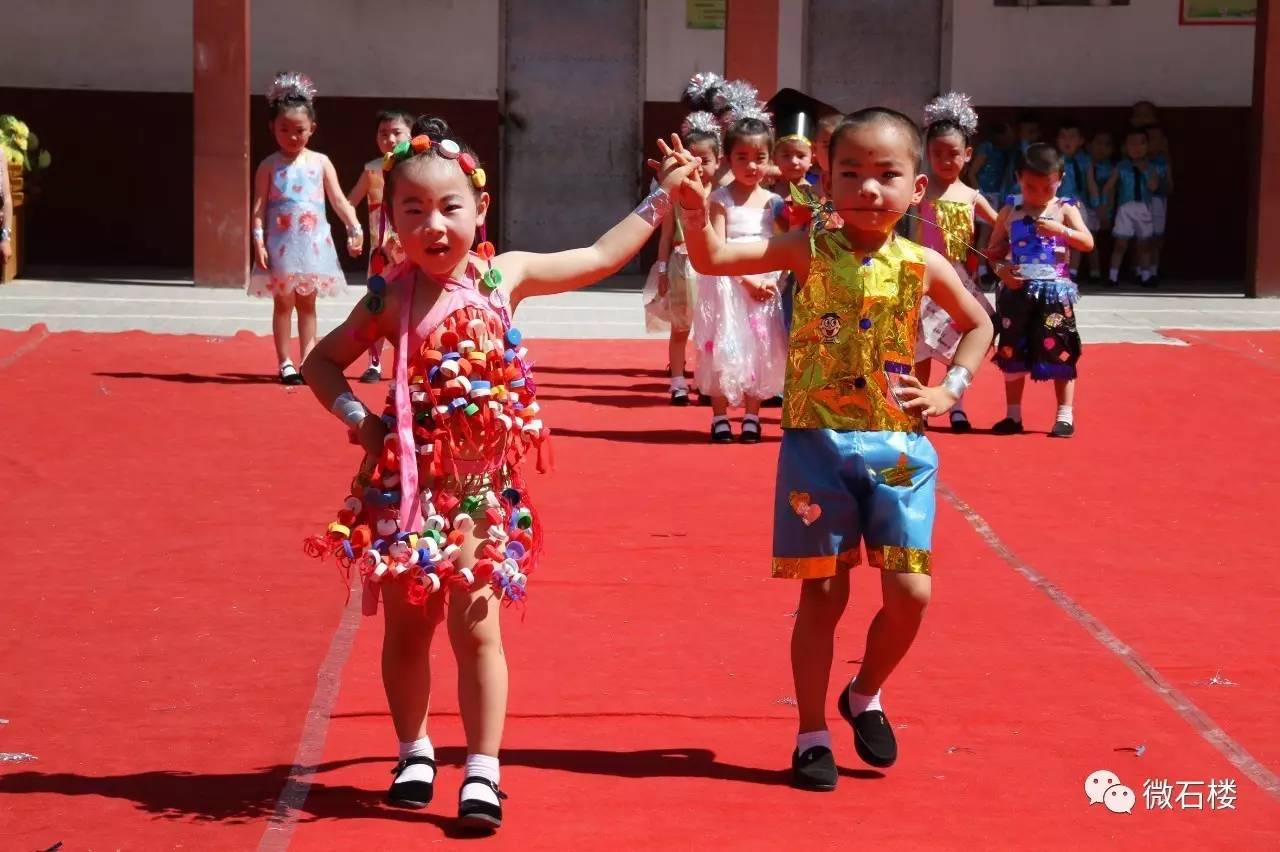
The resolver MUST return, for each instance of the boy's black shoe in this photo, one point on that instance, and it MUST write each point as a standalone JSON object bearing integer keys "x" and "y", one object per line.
{"x": 814, "y": 770}
{"x": 873, "y": 737}
{"x": 477, "y": 813}
{"x": 1007, "y": 426}
{"x": 371, "y": 375}
{"x": 411, "y": 794}
{"x": 1062, "y": 429}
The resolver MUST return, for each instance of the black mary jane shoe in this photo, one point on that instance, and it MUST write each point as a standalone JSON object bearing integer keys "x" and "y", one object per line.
{"x": 1007, "y": 426}
{"x": 721, "y": 432}
{"x": 750, "y": 432}
{"x": 477, "y": 814}
{"x": 873, "y": 737}
{"x": 960, "y": 422}
{"x": 679, "y": 396}
{"x": 814, "y": 770}
{"x": 289, "y": 375}
{"x": 411, "y": 794}
{"x": 371, "y": 376}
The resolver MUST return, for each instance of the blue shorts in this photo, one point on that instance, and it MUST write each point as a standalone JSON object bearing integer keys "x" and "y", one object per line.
{"x": 839, "y": 488}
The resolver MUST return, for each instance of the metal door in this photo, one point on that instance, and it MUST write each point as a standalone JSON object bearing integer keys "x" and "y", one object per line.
{"x": 571, "y": 102}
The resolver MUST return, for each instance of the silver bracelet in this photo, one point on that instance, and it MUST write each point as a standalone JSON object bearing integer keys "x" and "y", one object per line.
{"x": 661, "y": 267}
{"x": 259, "y": 234}
{"x": 349, "y": 410}
{"x": 355, "y": 231}
{"x": 654, "y": 208}
{"x": 958, "y": 380}
{"x": 5, "y": 234}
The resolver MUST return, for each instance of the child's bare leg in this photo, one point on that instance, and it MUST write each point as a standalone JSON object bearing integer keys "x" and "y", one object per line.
{"x": 1065, "y": 390}
{"x": 822, "y": 602}
{"x": 752, "y": 405}
{"x": 281, "y": 325}
{"x": 1119, "y": 246}
{"x": 893, "y": 629}
{"x": 406, "y": 659}
{"x": 719, "y": 406}
{"x": 476, "y": 635}
{"x": 676, "y": 347}
{"x": 306, "y": 324}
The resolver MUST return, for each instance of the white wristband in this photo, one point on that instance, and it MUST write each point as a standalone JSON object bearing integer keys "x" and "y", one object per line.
{"x": 958, "y": 380}
{"x": 349, "y": 410}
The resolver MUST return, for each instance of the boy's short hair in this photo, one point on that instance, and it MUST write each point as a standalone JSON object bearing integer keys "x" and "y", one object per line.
{"x": 1136, "y": 131}
{"x": 1042, "y": 159}
{"x": 1027, "y": 116}
{"x": 882, "y": 115}
{"x": 395, "y": 115}
{"x": 1071, "y": 123}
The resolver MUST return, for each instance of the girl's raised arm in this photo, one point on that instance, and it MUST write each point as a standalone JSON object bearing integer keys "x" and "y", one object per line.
{"x": 526, "y": 274}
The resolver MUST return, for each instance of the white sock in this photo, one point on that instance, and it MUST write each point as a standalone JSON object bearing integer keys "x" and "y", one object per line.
{"x": 719, "y": 418}
{"x": 483, "y": 766}
{"x": 1114, "y": 275}
{"x": 859, "y": 703}
{"x": 1013, "y": 412}
{"x": 417, "y": 771}
{"x": 751, "y": 417}
{"x": 678, "y": 383}
{"x": 806, "y": 740}
{"x": 1144, "y": 274}
{"x": 1066, "y": 414}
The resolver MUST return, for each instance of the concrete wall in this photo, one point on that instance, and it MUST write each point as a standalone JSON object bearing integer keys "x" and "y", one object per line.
{"x": 874, "y": 52}
{"x": 673, "y": 53}
{"x": 1096, "y": 55}
{"x": 352, "y": 48}
{"x": 123, "y": 45}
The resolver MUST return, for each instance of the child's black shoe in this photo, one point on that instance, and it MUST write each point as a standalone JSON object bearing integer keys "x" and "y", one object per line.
{"x": 872, "y": 734}
{"x": 814, "y": 770}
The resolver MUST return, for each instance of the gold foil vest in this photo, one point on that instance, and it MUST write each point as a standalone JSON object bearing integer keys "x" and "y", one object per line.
{"x": 853, "y": 331}
{"x": 955, "y": 224}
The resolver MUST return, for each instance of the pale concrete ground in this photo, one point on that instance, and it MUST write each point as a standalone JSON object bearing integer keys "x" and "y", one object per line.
{"x": 155, "y": 301}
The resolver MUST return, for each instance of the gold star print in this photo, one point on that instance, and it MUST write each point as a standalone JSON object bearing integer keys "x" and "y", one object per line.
{"x": 899, "y": 474}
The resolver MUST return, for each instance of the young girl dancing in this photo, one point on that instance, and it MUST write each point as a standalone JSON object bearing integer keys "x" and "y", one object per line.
{"x": 676, "y": 279}
{"x": 854, "y": 464}
{"x": 1036, "y": 301}
{"x": 293, "y": 252}
{"x": 438, "y": 521}
{"x": 384, "y": 248}
{"x": 946, "y": 226}
{"x": 738, "y": 329}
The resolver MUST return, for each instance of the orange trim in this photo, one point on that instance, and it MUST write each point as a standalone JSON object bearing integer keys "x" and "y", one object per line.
{"x": 814, "y": 567}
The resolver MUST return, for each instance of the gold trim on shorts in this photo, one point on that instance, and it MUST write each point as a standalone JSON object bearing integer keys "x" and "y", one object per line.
{"x": 814, "y": 567}
{"x": 901, "y": 560}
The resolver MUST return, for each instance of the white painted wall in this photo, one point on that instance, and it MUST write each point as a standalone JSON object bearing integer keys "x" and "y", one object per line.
{"x": 1096, "y": 56}
{"x": 673, "y": 53}
{"x": 387, "y": 48}
{"x": 121, "y": 45}
{"x": 792, "y": 16}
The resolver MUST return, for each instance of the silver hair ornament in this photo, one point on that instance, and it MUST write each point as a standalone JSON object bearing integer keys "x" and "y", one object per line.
{"x": 291, "y": 84}
{"x": 955, "y": 107}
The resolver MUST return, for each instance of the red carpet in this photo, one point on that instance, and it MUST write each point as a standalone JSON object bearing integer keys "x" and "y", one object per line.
{"x": 163, "y": 632}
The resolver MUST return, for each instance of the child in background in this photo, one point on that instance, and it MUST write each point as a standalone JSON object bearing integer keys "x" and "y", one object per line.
{"x": 1099, "y": 211}
{"x": 827, "y": 125}
{"x": 987, "y": 170}
{"x": 1036, "y": 301}
{"x": 1158, "y": 148}
{"x": 1028, "y": 124}
{"x": 1132, "y": 185}
{"x": 738, "y": 329}
{"x": 945, "y": 225}
{"x": 1075, "y": 174}
{"x": 672, "y": 301}
{"x": 854, "y": 464}
{"x": 384, "y": 247}
{"x": 293, "y": 248}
